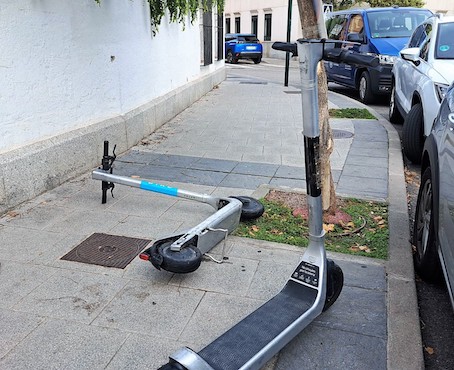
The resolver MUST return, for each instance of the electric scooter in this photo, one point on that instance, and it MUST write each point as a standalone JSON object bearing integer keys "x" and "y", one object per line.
{"x": 316, "y": 282}
{"x": 182, "y": 253}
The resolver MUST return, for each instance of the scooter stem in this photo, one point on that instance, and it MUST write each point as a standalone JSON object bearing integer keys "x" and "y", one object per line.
{"x": 310, "y": 54}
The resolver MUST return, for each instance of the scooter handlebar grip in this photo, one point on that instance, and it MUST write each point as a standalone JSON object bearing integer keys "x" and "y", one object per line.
{"x": 339, "y": 55}
{"x": 286, "y": 46}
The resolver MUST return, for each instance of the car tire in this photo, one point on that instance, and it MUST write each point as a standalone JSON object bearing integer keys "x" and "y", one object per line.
{"x": 257, "y": 60}
{"x": 394, "y": 114}
{"x": 412, "y": 134}
{"x": 426, "y": 260}
{"x": 230, "y": 58}
{"x": 364, "y": 88}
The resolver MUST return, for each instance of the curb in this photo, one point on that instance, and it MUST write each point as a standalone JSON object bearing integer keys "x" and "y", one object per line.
{"x": 404, "y": 334}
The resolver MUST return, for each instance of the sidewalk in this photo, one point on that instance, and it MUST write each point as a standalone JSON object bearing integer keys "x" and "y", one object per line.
{"x": 240, "y": 139}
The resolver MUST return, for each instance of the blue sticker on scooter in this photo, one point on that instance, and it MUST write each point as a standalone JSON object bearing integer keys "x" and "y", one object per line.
{"x": 444, "y": 47}
{"x": 157, "y": 188}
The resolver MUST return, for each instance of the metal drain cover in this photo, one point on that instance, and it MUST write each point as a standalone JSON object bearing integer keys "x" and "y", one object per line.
{"x": 107, "y": 250}
{"x": 341, "y": 134}
{"x": 293, "y": 92}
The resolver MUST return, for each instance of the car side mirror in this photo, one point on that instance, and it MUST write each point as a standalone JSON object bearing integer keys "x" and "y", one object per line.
{"x": 355, "y": 37}
{"x": 411, "y": 54}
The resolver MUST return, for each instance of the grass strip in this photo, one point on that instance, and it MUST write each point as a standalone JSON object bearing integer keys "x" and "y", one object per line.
{"x": 366, "y": 234}
{"x": 359, "y": 113}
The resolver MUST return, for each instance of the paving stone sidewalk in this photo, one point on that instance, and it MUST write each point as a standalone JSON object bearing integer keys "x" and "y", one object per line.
{"x": 58, "y": 314}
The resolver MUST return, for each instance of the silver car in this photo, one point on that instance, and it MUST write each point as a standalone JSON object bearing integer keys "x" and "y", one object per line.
{"x": 420, "y": 77}
{"x": 433, "y": 234}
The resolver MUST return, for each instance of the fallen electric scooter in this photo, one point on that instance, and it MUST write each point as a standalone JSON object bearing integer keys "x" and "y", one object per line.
{"x": 182, "y": 253}
{"x": 316, "y": 282}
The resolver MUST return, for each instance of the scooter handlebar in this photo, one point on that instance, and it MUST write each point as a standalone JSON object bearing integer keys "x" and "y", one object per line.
{"x": 339, "y": 55}
{"x": 286, "y": 46}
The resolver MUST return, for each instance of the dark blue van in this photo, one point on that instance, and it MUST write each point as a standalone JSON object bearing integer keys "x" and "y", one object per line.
{"x": 378, "y": 31}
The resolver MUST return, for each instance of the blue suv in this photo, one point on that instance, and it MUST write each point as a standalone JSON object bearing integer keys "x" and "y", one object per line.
{"x": 382, "y": 32}
{"x": 242, "y": 46}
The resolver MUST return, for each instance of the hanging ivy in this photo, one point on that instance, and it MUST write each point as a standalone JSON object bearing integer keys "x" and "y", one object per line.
{"x": 178, "y": 10}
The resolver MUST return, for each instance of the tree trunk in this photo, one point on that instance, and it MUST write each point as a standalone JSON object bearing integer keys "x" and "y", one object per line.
{"x": 310, "y": 30}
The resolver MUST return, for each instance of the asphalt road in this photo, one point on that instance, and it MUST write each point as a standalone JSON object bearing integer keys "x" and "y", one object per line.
{"x": 436, "y": 313}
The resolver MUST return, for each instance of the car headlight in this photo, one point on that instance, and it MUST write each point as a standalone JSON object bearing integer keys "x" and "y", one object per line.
{"x": 441, "y": 90}
{"x": 386, "y": 59}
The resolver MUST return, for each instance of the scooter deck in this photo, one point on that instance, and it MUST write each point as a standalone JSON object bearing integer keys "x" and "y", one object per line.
{"x": 233, "y": 349}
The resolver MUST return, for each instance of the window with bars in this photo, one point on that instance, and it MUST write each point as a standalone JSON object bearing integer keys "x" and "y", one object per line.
{"x": 237, "y": 25}
{"x": 267, "y": 36}
{"x": 254, "y": 24}
{"x": 227, "y": 25}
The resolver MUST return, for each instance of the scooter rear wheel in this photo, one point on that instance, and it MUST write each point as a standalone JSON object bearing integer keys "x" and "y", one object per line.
{"x": 251, "y": 209}
{"x": 334, "y": 284}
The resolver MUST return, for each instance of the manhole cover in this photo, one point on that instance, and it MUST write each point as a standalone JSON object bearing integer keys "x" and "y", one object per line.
{"x": 342, "y": 134}
{"x": 107, "y": 250}
{"x": 253, "y": 83}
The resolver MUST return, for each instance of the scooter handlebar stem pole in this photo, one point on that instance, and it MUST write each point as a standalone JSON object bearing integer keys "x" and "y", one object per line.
{"x": 310, "y": 53}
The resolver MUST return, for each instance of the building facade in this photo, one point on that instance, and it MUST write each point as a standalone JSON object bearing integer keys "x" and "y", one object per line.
{"x": 76, "y": 73}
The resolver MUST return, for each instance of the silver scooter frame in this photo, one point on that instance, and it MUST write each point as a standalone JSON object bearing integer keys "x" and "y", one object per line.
{"x": 304, "y": 296}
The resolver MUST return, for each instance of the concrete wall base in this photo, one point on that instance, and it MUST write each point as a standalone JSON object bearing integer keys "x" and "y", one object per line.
{"x": 29, "y": 171}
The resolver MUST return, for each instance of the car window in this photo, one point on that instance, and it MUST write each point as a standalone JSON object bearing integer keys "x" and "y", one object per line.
{"x": 336, "y": 27}
{"x": 415, "y": 39}
{"x": 395, "y": 23}
{"x": 356, "y": 24}
{"x": 247, "y": 38}
{"x": 425, "y": 45}
{"x": 444, "y": 48}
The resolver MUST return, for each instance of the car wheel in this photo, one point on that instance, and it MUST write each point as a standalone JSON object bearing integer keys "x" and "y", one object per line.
{"x": 229, "y": 57}
{"x": 426, "y": 258}
{"x": 394, "y": 114}
{"x": 365, "y": 92}
{"x": 412, "y": 134}
{"x": 257, "y": 60}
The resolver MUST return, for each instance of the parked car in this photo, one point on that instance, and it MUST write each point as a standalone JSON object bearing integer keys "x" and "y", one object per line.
{"x": 433, "y": 235}
{"x": 420, "y": 78}
{"x": 377, "y": 31}
{"x": 242, "y": 46}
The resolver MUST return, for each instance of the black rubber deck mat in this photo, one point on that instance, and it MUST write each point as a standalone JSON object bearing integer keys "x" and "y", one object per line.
{"x": 107, "y": 250}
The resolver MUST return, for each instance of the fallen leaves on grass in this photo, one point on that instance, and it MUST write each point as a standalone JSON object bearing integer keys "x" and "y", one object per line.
{"x": 364, "y": 232}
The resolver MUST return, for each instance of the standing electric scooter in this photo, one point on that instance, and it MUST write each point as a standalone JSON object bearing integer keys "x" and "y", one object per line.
{"x": 182, "y": 253}
{"x": 316, "y": 282}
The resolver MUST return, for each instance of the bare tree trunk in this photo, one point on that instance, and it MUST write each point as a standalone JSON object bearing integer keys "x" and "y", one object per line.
{"x": 310, "y": 31}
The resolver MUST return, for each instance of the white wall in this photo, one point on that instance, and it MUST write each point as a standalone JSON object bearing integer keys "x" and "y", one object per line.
{"x": 65, "y": 64}
{"x": 443, "y": 6}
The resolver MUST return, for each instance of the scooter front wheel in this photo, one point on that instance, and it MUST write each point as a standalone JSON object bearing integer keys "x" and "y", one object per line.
{"x": 251, "y": 208}
{"x": 334, "y": 283}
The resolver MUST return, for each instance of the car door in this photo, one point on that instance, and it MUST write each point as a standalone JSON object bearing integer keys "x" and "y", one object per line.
{"x": 446, "y": 198}
{"x": 336, "y": 27}
{"x": 410, "y": 72}
{"x": 355, "y": 25}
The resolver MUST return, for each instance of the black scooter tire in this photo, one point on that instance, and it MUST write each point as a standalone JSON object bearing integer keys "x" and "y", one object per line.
{"x": 252, "y": 208}
{"x": 334, "y": 283}
{"x": 186, "y": 260}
